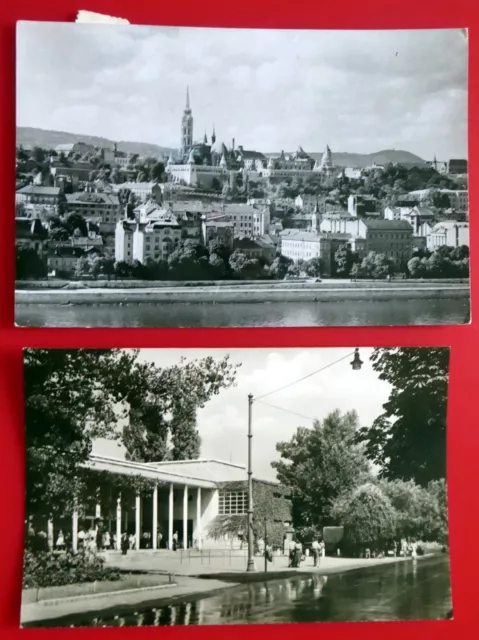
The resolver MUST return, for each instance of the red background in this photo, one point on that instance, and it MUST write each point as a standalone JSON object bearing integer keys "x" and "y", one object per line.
{"x": 463, "y": 432}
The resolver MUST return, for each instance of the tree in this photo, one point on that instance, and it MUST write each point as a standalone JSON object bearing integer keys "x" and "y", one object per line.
{"x": 408, "y": 440}
{"x": 368, "y": 517}
{"x": 122, "y": 269}
{"x": 318, "y": 465}
{"x": 374, "y": 265}
{"x": 344, "y": 259}
{"x": 245, "y": 267}
{"x": 28, "y": 264}
{"x": 61, "y": 205}
{"x": 279, "y": 267}
{"x": 74, "y": 221}
{"x": 218, "y": 247}
{"x": 163, "y": 414}
{"x": 313, "y": 267}
{"x": 73, "y": 397}
{"x": 218, "y": 266}
{"x": 22, "y": 155}
{"x": 156, "y": 171}
{"x": 226, "y": 191}
{"x": 38, "y": 155}
{"x": 421, "y": 512}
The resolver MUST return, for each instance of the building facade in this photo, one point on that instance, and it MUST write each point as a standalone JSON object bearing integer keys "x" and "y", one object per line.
{"x": 33, "y": 194}
{"x": 103, "y": 207}
{"x": 449, "y": 233}
{"x": 185, "y": 500}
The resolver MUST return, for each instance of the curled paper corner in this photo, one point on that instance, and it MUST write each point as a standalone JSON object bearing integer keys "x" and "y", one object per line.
{"x": 98, "y": 18}
{"x": 465, "y": 33}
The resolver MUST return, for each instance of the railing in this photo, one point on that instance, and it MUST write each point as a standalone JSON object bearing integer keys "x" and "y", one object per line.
{"x": 207, "y": 555}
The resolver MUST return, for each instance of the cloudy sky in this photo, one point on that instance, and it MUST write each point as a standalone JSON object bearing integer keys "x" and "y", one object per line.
{"x": 270, "y": 90}
{"x": 223, "y": 422}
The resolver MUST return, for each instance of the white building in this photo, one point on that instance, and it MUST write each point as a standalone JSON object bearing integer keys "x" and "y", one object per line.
{"x": 185, "y": 498}
{"x": 147, "y": 239}
{"x": 449, "y": 233}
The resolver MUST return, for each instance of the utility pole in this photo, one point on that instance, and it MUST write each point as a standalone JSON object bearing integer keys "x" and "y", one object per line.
{"x": 250, "y": 566}
{"x": 265, "y": 547}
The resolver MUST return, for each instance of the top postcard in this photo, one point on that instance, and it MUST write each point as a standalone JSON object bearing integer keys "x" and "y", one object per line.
{"x": 203, "y": 177}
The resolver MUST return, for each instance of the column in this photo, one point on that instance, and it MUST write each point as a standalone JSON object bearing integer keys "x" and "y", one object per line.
{"x": 118, "y": 523}
{"x": 154, "y": 532}
{"x": 199, "y": 533}
{"x": 185, "y": 517}
{"x": 170, "y": 518}
{"x": 51, "y": 541}
{"x": 137, "y": 521}
{"x": 75, "y": 530}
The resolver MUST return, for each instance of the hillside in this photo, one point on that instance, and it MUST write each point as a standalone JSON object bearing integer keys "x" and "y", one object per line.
{"x": 29, "y": 136}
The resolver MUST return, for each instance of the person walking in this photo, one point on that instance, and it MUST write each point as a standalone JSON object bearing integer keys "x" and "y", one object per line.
{"x": 125, "y": 543}
{"x": 175, "y": 541}
{"x": 298, "y": 554}
{"x": 60, "y": 544}
{"x": 315, "y": 550}
{"x": 291, "y": 549}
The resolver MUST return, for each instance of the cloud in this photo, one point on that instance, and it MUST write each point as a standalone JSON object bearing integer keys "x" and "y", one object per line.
{"x": 356, "y": 90}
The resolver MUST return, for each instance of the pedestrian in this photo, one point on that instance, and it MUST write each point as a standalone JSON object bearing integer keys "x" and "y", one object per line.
{"x": 60, "y": 544}
{"x": 315, "y": 550}
{"x": 175, "y": 541}
{"x": 81, "y": 538}
{"x": 414, "y": 550}
{"x": 291, "y": 549}
{"x": 106, "y": 540}
{"x": 159, "y": 540}
{"x": 125, "y": 543}
{"x": 298, "y": 554}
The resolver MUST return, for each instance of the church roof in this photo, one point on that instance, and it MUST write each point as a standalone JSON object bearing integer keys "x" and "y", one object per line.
{"x": 219, "y": 147}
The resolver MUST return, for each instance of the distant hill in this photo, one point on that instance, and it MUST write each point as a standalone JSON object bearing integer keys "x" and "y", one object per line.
{"x": 31, "y": 137}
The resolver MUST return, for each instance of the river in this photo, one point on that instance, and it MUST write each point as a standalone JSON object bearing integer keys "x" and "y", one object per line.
{"x": 268, "y": 314}
{"x": 399, "y": 591}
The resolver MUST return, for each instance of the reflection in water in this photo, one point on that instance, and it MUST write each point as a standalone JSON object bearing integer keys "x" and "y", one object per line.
{"x": 402, "y": 591}
{"x": 271, "y": 314}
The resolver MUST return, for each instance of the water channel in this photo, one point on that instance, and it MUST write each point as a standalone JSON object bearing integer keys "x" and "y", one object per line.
{"x": 400, "y": 591}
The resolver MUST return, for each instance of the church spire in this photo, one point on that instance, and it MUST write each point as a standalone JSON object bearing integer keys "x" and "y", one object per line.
{"x": 213, "y": 136}
{"x": 187, "y": 97}
{"x": 205, "y": 139}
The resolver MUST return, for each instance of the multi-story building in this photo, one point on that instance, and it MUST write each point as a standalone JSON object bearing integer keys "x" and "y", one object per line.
{"x": 363, "y": 206}
{"x": 218, "y": 227}
{"x": 34, "y": 194}
{"x": 306, "y": 245}
{"x": 146, "y": 239}
{"x": 101, "y": 206}
{"x": 449, "y": 233}
{"x": 142, "y": 190}
{"x": 247, "y": 220}
{"x": 393, "y": 238}
{"x": 63, "y": 260}
{"x": 255, "y": 248}
{"x": 458, "y": 198}
{"x": 352, "y": 173}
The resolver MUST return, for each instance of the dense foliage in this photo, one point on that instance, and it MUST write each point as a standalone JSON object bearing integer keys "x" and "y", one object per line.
{"x": 47, "y": 569}
{"x": 74, "y": 396}
{"x": 319, "y": 464}
{"x": 445, "y": 262}
{"x": 408, "y": 440}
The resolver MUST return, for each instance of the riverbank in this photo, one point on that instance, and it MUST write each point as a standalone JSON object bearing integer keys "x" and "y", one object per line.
{"x": 188, "y": 583}
{"x": 91, "y": 294}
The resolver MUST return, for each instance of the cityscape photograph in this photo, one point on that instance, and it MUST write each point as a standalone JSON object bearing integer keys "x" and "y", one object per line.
{"x": 201, "y": 177}
{"x": 208, "y": 487}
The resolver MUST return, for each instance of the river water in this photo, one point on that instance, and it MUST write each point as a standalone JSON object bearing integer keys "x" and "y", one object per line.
{"x": 269, "y": 314}
{"x": 399, "y": 591}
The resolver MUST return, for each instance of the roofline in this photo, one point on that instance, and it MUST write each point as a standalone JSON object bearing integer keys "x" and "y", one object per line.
{"x": 142, "y": 465}
{"x": 200, "y": 460}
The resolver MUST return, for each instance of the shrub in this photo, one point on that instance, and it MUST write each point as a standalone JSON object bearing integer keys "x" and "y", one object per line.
{"x": 47, "y": 569}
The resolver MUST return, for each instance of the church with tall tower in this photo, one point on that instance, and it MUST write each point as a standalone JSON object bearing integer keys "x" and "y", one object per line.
{"x": 186, "y": 126}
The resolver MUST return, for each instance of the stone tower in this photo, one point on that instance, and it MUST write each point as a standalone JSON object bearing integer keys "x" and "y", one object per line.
{"x": 186, "y": 126}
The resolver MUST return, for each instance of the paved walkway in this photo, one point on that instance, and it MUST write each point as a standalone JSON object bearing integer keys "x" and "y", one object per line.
{"x": 219, "y": 566}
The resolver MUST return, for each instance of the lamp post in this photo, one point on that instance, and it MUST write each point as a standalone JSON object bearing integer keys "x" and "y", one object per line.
{"x": 250, "y": 566}
{"x": 356, "y": 365}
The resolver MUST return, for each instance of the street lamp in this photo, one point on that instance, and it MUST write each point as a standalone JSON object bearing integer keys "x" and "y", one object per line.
{"x": 356, "y": 365}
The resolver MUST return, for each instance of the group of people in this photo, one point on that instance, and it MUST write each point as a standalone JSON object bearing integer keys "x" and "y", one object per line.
{"x": 298, "y": 554}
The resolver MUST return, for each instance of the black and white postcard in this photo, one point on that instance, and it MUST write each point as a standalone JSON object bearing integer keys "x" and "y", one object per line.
{"x": 209, "y": 487}
{"x": 195, "y": 177}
